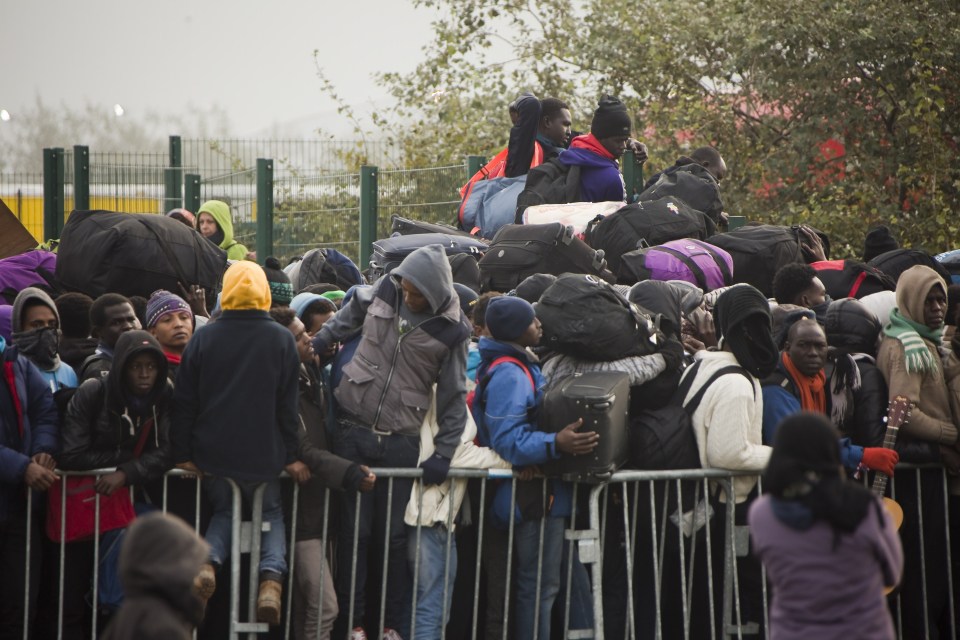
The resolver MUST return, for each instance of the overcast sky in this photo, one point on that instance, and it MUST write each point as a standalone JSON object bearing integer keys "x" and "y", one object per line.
{"x": 253, "y": 59}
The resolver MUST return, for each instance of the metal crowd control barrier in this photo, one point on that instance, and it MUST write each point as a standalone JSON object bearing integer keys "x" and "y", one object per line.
{"x": 653, "y": 510}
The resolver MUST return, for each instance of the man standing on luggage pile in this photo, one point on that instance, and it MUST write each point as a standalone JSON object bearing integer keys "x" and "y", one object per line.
{"x": 235, "y": 416}
{"x": 597, "y": 152}
{"x": 505, "y": 408}
{"x": 413, "y": 335}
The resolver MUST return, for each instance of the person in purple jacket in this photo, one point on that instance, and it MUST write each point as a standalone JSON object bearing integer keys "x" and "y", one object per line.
{"x": 828, "y": 544}
{"x": 597, "y": 152}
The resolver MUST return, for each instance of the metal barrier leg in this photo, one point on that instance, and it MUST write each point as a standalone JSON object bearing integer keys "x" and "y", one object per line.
{"x": 591, "y": 554}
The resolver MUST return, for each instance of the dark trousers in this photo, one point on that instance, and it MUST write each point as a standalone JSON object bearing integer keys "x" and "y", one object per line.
{"x": 13, "y": 570}
{"x": 376, "y": 509}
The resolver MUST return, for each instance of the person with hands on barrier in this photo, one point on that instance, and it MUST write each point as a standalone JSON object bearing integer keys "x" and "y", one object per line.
{"x": 509, "y": 390}
{"x": 28, "y": 444}
{"x": 235, "y": 416}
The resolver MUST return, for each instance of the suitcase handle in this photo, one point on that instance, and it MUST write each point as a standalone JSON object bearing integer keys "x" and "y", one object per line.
{"x": 600, "y": 406}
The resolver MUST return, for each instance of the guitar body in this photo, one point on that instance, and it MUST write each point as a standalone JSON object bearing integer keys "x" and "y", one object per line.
{"x": 895, "y": 511}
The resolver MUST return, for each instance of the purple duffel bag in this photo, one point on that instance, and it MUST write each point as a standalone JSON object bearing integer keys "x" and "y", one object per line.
{"x": 705, "y": 265}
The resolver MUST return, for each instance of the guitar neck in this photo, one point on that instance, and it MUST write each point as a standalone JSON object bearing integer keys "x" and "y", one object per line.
{"x": 879, "y": 486}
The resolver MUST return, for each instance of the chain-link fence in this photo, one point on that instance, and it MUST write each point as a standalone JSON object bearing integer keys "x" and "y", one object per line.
{"x": 306, "y": 157}
{"x": 428, "y": 194}
{"x": 316, "y": 211}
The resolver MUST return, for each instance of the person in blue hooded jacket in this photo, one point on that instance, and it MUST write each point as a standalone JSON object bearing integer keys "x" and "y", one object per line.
{"x": 505, "y": 409}
{"x": 28, "y": 442}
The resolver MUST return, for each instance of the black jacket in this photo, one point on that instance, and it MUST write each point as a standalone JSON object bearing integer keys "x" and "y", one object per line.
{"x": 235, "y": 402}
{"x": 101, "y": 429}
{"x": 327, "y": 470}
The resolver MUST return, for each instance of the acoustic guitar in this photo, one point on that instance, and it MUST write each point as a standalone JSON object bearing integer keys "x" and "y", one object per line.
{"x": 897, "y": 415}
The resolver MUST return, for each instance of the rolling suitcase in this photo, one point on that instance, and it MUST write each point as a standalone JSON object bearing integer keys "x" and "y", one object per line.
{"x": 602, "y": 399}
{"x": 390, "y": 252}
{"x": 521, "y": 250}
{"x": 410, "y": 227}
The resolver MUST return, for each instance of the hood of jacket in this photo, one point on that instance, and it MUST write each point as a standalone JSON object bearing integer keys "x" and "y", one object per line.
{"x": 245, "y": 287}
{"x": 913, "y": 286}
{"x": 129, "y": 345}
{"x": 160, "y": 557}
{"x": 586, "y": 151}
{"x": 221, "y": 214}
{"x": 660, "y": 298}
{"x": 852, "y": 327}
{"x": 428, "y": 270}
{"x": 25, "y": 298}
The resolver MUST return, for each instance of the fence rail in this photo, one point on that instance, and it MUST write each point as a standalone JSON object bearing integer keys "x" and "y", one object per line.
{"x": 652, "y": 573}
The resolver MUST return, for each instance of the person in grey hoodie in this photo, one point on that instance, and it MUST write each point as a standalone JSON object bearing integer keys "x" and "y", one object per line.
{"x": 414, "y": 335}
{"x": 36, "y": 333}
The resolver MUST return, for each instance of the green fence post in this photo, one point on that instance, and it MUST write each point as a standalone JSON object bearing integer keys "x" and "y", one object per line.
{"x": 53, "y": 195}
{"x": 191, "y": 192}
{"x": 264, "y": 209}
{"x": 368, "y": 213}
{"x": 172, "y": 177}
{"x": 735, "y": 222}
{"x": 474, "y": 164}
{"x": 632, "y": 174}
{"x": 81, "y": 177}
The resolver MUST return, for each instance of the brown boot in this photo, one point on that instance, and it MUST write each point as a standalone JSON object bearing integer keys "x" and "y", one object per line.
{"x": 269, "y": 602}
{"x": 206, "y": 582}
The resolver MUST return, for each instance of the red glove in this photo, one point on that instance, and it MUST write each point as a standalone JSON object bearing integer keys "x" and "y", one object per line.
{"x": 880, "y": 459}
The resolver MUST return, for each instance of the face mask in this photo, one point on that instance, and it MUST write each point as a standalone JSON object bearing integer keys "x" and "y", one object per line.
{"x": 821, "y": 309}
{"x": 40, "y": 346}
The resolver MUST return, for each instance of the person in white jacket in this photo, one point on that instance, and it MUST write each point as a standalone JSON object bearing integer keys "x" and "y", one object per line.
{"x": 431, "y": 519}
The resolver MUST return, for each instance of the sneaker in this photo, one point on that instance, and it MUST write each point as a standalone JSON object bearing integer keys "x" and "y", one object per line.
{"x": 358, "y": 634}
{"x": 391, "y": 634}
{"x": 269, "y": 602}
{"x": 206, "y": 582}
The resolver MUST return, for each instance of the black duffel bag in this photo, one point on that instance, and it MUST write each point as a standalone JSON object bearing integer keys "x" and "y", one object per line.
{"x": 134, "y": 254}
{"x": 587, "y": 318}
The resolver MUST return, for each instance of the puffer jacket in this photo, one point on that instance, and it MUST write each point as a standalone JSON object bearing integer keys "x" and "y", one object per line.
{"x": 99, "y": 430}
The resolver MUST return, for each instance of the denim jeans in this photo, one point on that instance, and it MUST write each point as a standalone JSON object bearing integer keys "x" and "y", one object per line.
{"x": 530, "y": 555}
{"x": 433, "y": 610}
{"x": 273, "y": 545}
{"x": 376, "y": 508}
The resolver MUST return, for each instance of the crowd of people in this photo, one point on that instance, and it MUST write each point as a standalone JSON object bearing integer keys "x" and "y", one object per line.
{"x": 414, "y": 371}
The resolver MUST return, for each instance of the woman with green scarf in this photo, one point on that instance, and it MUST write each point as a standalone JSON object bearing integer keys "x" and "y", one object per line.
{"x": 915, "y": 365}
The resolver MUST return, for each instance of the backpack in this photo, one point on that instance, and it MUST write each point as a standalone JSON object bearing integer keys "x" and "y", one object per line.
{"x": 323, "y": 265}
{"x": 893, "y": 263}
{"x": 691, "y": 183}
{"x": 134, "y": 254}
{"x": 587, "y": 318}
{"x": 664, "y": 439}
{"x": 490, "y": 204}
{"x": 647, "y": 224}
{"x": 851, "y": 278}
{"x": 552, "y": 182}
{"x": 465, "y": 270}
{"x": 690, "y": 260}
{"x": 758, "y": 252}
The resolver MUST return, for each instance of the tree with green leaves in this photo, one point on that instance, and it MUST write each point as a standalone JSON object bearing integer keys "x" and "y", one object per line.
{"x": 839, "y": 114}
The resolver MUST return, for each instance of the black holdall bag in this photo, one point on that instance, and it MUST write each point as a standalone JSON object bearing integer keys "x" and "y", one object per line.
{"x": 895, "y": 262}
{"x": 587, "y": 318}
{"x": 388, "y": 253}
{"x": 134, "y": 254}
{"x": 646, "y": 224}
{"x": 521, "y": 250}
{"x": 758, "y": 252}
{"x": 693, "y": 184}
{"x": 552, "y": 182}
{"x": 602, "y": 400}
{"x": 663, "y": 439}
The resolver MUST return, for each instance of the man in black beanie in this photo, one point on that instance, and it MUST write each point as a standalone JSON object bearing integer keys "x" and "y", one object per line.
{"x": 596, "y": 153}
{"x": 879, "y": 240}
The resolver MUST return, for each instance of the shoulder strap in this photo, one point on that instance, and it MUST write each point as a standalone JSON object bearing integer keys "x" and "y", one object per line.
{"x": 694, "y": 403}
{"x": 689, "y": 262}
{"x": 171, "y": 258}
{"x": 142, "y": 440}
{"x": 489, "y": 370}
{"x": 721, "y": 263}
